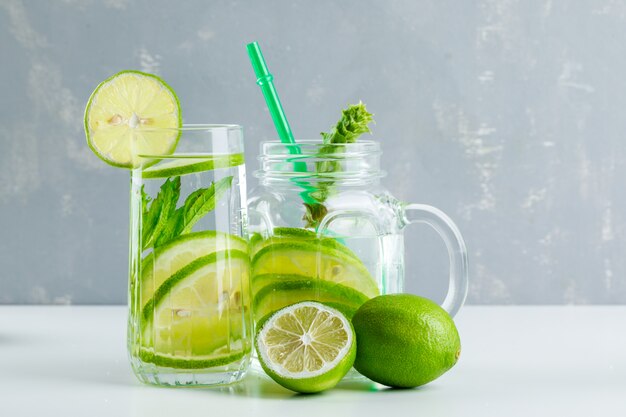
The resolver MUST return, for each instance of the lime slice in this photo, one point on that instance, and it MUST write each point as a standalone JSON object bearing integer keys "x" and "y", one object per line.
{"x": 167, "y": 260}
{"x": 132, "y": 113}
{"x": 293, "y": 234}
{"x": 191, "y": 165}
{"x": 278, "y": 291}
{"x": 253, "y": 241}
{"x": 198, "y": 316}
{"x": 314, "y": 261}
{"x": 147, "y": 355}
{"x": 306, "y": 347}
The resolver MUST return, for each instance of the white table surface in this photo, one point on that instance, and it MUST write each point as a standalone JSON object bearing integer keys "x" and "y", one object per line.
{"x": 516, "y": 361}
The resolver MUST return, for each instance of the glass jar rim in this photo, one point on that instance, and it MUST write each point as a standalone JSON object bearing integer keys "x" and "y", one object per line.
{"x": 311, "y": 147}
{"x": 348, "y": 162}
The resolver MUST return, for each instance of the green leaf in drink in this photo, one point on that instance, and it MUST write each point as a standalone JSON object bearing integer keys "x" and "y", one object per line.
{"x": 162, "y": 221}
{"x": 172, "y": 229}
{"x": 159, "y": 211}
{"x": 203, "y": 201}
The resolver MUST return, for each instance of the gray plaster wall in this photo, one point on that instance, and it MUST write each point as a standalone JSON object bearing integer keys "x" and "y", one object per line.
{"x": 508, "y": 115}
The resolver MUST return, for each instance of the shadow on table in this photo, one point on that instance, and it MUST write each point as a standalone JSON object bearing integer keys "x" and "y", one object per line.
{"x": 259, "y": 385}
{"x": 255, "y": 385}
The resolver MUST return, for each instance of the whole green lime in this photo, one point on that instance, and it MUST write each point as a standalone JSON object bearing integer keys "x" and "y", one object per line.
{"x": 404, "y": 340}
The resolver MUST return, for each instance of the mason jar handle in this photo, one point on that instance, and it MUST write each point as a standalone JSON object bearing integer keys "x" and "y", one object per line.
{"x": 449, "y": 232}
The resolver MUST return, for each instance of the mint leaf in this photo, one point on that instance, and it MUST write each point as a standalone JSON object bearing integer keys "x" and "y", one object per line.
{"x": 314, "y": 214}
{"x": 162, "y": 221}
{"x": 202, "y": 201}
{"x": 145, "y": 199}
{"x": 159, "y": 210}
{"x": 172, "y": 229}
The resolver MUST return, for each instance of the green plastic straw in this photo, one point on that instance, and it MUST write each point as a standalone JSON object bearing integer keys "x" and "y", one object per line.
{"x": 265, "y": 80}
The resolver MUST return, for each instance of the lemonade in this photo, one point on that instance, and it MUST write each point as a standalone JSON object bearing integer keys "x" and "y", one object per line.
{"x": 189, "y": 266}
{"x": 189, "y": 292}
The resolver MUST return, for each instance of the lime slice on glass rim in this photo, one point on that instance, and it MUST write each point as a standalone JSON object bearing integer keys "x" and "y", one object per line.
{"x": 129, "y": 114}
{"x": 306, "y": 347}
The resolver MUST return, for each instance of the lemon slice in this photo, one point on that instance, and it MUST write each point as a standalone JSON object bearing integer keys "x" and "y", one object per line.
{"x": 315, "y": 261}
{"x": 306, "y": 347}
{"x": 130, "y": 114}
{"x": 191, "y": 165}
{"x": 292, "y": 234}
{"x": 199, "y": 317}
{"x": 167, "y": 260}
{"x": 278, "y": 291}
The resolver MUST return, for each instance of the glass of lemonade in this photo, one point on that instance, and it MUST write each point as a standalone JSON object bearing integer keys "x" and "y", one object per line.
{"x": 323, "y": 228}
{"x": 189, "y": 295}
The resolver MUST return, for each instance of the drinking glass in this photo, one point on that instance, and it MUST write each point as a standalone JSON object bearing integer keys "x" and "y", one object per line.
{"x": 189, "y": 295}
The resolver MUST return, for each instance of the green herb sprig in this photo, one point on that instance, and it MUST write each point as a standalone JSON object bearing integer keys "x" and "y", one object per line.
{"x": 353, "y": 123}
{"x": 162, "y": 221}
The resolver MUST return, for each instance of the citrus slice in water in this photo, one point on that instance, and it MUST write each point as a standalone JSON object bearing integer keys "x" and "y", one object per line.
{"x": 278, "y": 291}
{"x": 315, "y": 261}
{"x": 198, "y": 317}
{"x": 306, "y": 347}
{"x": 167, "y": 260}
{"x": 184, "y": 166}
{"x": 129, "y": 114}
{"x": 293, "y": 234}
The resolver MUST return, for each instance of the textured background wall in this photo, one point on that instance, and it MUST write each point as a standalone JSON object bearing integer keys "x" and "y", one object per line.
{"x": 508, "y": 115}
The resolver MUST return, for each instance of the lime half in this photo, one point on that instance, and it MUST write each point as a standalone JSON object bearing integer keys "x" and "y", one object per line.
{"x": 306, "y": 347}
{"x": 129, "y": 114}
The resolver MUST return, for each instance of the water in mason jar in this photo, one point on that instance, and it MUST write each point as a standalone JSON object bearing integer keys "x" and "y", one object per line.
{"x": 189, "y": 288}
{"x": 383, "y": 256}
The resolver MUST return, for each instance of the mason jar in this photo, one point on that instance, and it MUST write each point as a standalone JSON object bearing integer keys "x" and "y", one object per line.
{"x": 322, "y": 227}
